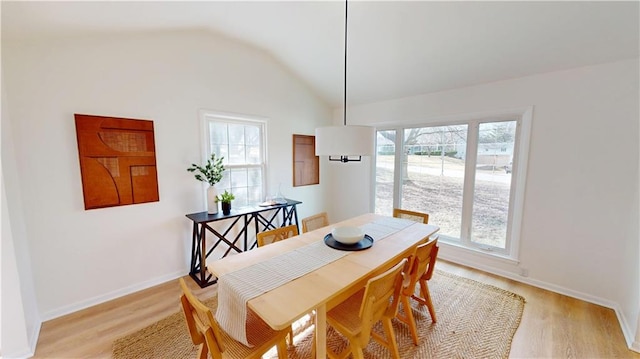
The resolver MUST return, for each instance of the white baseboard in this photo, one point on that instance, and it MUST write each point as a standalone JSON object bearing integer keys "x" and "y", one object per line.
{"x": 52, "y": 314}
{"x": 35, "y": 335}
{"x": 23, "y": 355}
{"x": 626, "y": 329}
{"x": 469, "y": 261}
{"x": 30, "y": 350}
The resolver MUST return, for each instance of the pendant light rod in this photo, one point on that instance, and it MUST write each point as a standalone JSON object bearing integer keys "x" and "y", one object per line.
{"x": 345, "y": 143}
{"x": 346, "y": 13}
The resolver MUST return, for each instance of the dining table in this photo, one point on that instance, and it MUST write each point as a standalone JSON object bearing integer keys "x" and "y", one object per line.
{"x": 310, "y": 275}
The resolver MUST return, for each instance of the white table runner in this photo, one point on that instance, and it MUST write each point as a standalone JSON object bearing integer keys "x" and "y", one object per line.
{"x": 235, "y": 289}
{"x": 384, "y": 227}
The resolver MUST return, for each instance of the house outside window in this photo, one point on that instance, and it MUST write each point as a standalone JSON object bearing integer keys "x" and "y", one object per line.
{"x": 466, "y": 172}
{"x": 241, "y": 141}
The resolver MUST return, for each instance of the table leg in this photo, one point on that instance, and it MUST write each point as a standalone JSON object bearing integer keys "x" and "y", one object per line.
{"x": 321, "y": 331}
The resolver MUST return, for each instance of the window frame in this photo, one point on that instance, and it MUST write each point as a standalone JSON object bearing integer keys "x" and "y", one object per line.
{"x": 523, "y": 117}
{"x": 207, "y": 116}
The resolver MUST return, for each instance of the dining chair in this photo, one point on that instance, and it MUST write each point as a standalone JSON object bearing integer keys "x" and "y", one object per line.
{"x": 422, "y": 264}
{"x": 276, "y": 235}
{"x": 204, "y": 331}
{"x": 314, "y": 222}
{"x": 412, "y": 215}
{"x": 356, "y": 316}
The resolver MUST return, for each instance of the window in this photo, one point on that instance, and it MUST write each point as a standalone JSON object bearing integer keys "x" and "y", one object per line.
{"x": 467, "y": 173}
{"x": 385, "y": 164}
{"x": 240, "y": 140}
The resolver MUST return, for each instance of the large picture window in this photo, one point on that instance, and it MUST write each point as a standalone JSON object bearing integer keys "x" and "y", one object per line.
{"x": 240, "y": 140}
{"x": 466, "y": 173}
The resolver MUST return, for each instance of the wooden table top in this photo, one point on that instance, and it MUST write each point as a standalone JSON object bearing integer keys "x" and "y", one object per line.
{"x": 330, "y": 284}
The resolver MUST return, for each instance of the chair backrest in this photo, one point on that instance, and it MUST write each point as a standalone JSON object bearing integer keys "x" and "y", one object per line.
{"x": 202, "y": 327}
{"x": 433, "y": 255}
{"x": 314, "y": 222}
{"x": 278, "y": 234}
{"x": 422, "y": 264}
{"x": 377, "y": 302}
{"x": 412, "y": 215}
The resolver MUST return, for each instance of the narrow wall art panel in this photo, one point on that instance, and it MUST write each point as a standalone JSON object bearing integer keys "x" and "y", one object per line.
{"x": 117, "y": 161}
{"x": 306, "y": 165}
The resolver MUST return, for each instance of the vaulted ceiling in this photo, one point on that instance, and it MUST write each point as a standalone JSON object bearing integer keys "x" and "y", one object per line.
{"x": 395, "y": 49}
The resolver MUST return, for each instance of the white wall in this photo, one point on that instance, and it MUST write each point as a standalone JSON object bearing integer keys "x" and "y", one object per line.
{"x": 80, "y": 258}
{"x": 580, "y": 226}
{"x": 15, "y": 335}
{"x": 20, "y": 322}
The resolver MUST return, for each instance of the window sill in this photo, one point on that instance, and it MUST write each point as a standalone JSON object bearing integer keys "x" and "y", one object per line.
{"x": 459, "y": 250}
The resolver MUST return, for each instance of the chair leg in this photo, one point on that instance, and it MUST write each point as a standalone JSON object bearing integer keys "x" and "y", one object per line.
{"x": 313, "y": 345}
{"x": 203, "y": 351}
{"x": 424, "y": 288}
{"x": 391, "y": 338}
{"x": 353, "y": 347}
{"x": 408, "y": 318}
{"x": 356, "y": 350}
{"x": 282, "y": 349}
{"x": 290, "y": 336}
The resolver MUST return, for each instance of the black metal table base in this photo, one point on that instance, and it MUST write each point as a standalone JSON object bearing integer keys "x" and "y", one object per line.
{"x": 264, "y": 219}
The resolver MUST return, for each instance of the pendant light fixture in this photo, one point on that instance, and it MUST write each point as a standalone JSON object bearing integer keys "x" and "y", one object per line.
{"x": 350, "y": 143}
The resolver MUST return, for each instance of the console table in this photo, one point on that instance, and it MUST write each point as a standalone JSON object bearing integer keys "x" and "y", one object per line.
{"x": 261, "y": 217}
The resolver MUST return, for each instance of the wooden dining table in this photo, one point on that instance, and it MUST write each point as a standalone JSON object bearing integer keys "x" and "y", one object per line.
{"x": 327, "y": 286}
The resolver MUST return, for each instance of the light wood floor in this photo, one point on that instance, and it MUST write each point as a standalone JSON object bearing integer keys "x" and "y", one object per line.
{"x": 553, "y": 325}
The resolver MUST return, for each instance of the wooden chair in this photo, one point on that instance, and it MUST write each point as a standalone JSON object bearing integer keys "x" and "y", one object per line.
{"x": 276, "y": 235}
{"x": 422, "y": 264}
{"x": 314, "y": 222}
{"x": 356, "y": 316}
{"x": 412, "y": 215}
{"x": 204, "y": 331}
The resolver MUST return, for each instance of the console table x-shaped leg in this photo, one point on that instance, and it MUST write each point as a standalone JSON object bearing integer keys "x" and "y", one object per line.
{"x": 264, "y": 218}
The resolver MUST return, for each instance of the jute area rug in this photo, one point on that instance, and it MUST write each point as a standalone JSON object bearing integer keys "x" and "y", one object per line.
{"x": 475, "y": 320}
